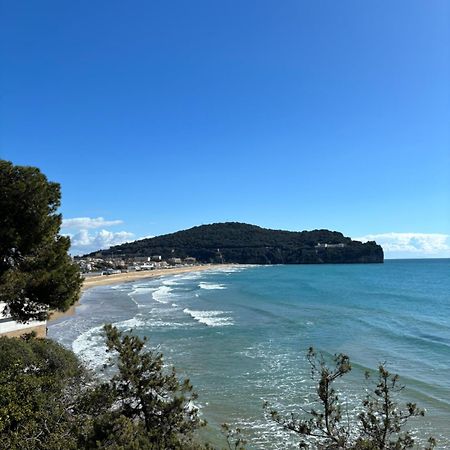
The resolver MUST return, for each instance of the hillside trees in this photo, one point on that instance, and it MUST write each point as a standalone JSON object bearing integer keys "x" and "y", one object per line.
{"x": 241, "y": 243}
{"x": 36, "y": 272}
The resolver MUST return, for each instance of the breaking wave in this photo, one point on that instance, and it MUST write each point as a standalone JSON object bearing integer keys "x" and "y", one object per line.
{"x": 210, "y": 318}
{"x": 90, "y": 347}
{"x": 162, "y": 294}
{"x": 210, "y": 286}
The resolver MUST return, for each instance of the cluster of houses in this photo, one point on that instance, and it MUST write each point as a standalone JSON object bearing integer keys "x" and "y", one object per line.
{"x": 115, "y": 264}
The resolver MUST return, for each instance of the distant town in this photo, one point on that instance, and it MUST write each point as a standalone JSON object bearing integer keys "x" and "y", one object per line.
{"x": 90, "y": 266}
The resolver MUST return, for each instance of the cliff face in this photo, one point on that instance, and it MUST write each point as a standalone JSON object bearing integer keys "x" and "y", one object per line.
{"x": 233, "y": 242}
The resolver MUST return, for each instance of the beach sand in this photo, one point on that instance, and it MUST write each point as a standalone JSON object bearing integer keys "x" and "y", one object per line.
{"x": 107, "y": 280}
{"x": 40, "y": 331}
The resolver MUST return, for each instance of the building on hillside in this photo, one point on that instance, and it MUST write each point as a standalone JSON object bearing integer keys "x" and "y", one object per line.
{"x": 11, "y": 328}
{"x": 85, "y": 266}
{"x": 189, "y": 260}
{"x": 141, "y": 259}
{"x": 340, "y": 245}
{"x": 157, "y": 258}
{"x": 174, "y": 261}
{"x": 160, "y": 265}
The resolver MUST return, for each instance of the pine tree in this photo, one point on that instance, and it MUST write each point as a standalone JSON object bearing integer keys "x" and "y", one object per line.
{"x": 143, "y": 405}
{"x": 381, "y": 424}
{"x": 36, "y": 272}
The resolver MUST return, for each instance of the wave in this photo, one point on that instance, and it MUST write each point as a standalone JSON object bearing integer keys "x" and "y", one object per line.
{"x": 188, "y": 276}
{"x": 229, "y": 270}
{"x": 118, "y": 287}
{"x": 141, "y": 289}
{"x": 141, "y": 322}
{"x": 210, "y": 318}
{"x": 170, "y": 283}
{"x": 135, "y": 322}
{"x": 210, "y": 286}
{"x": 162, "y": 294}
{"x": 90, "y": 347}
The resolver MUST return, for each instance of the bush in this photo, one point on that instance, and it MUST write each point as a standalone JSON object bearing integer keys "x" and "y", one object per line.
{"x": 380, "y": 425}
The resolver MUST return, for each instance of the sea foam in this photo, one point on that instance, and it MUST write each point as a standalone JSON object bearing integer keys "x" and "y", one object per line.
{"x": 90, "y": 347}
{"x": 170, "y": 283}
{"x": 162, "y": 294}
{"x": 210, "y": 318}
{"x": 210, "y": 286}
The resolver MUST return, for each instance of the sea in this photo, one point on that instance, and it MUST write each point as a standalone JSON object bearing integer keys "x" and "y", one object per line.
{"x": 241, "y": 335}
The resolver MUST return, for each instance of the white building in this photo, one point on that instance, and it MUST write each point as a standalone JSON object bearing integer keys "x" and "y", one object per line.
{"x": 9, "y": 326}
{"x": 319, "y": 245}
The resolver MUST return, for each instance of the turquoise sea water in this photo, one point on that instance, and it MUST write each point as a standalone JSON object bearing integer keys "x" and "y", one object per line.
{"x": 241, "y": 335}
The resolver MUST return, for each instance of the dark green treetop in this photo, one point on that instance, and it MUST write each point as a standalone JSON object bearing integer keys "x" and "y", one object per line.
{"x": 36, "y": 272}
{"x": 49, "y": 402}
{"x": 143, "y": 405}
{"x": 39, "y": 384}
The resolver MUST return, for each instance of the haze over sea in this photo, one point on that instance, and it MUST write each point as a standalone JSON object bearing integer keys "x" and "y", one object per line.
{"x": 241, "y": 334}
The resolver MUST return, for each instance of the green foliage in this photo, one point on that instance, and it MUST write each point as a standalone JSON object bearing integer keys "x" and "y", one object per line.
{"x": 382, "y": 420}
{"x": 39, "y": 381}
{"x": 234, "y": 438}
{"x": 250, "y": 244}
{"x": 379, "y": 426}
{"x": 143, "y": 405}
{"x": 36, "y": 273}
{"x": 48, "y": 401}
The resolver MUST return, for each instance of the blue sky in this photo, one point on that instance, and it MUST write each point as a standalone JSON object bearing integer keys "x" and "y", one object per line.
{"x": 156, "y": 116}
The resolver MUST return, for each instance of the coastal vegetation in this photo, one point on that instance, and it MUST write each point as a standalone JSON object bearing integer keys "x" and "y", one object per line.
{"x": 36, "y": 272}
{"x": 379, "y": 424}
{"x": 241, "y": 243}
{"x": 39, "y": 382}
{"x": 50, "y": 401}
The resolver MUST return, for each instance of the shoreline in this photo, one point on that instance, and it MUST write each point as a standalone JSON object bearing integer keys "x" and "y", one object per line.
{"x": 120, "y": 278}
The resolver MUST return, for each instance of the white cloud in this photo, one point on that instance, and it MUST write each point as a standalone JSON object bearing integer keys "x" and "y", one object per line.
{"x": 85, "y": 242}
{"x": 412, "y": 245}
{"x": 89, "y": 223}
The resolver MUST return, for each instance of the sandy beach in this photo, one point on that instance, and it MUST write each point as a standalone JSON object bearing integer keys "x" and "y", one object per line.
{"x": 107, "y": 280}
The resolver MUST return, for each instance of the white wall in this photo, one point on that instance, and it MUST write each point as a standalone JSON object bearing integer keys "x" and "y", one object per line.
{"x": 6, "y": 326}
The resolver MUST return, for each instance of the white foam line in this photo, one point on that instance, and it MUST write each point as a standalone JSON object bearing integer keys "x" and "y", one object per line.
{"x": 162, "y": 294}
{"x": 210, "y": 318}
{"x": 170, "y": 283}
{"x": 139, "y": 290}
{"x": 210, "y": 286}
{"x": 134, "y": 322}
{"x": 188, "y": 276}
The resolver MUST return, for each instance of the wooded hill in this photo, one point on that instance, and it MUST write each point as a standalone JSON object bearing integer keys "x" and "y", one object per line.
{"x": 234, "y": 242}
